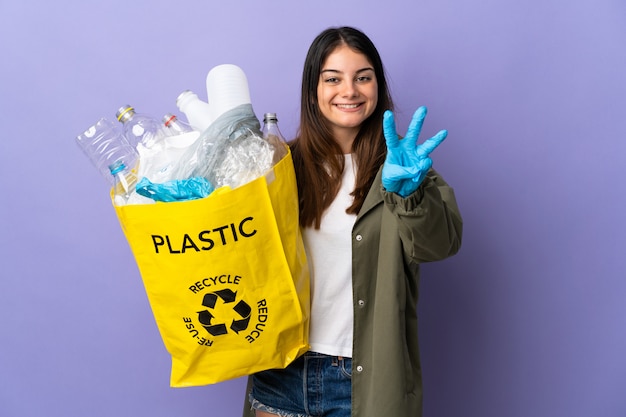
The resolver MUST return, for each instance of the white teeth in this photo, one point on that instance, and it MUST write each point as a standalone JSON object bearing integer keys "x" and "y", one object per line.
{"x": 348, "y": 106}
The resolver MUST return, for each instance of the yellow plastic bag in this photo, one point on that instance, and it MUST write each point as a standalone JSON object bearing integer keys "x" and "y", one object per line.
{"x": 226, "y": 277}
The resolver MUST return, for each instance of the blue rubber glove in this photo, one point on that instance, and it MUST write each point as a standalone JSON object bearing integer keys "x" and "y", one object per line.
{"x": 407, "y": 162}
{"x": 175, "y": 190}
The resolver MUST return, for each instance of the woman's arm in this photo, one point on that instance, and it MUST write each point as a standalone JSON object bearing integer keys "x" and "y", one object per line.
{"x": 429, "y": 221}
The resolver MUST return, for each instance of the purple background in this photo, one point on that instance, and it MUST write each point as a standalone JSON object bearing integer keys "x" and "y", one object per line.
{"x": 528, "y": 320}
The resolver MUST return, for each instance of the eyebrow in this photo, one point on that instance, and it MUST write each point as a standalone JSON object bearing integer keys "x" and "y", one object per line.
{"x": 340, "y": 72}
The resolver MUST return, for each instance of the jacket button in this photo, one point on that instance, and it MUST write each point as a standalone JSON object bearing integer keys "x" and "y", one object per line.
{"x": 359, "y": 368}
{"x": 359, "y": 238}
{"x": 361, "y": 303}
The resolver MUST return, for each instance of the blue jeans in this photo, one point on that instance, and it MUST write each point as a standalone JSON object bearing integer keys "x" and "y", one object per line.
{"x": 313, "y": 385}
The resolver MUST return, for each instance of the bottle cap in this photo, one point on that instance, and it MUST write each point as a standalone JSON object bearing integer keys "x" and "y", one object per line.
{"x": 124, "y": 113}
{"x": 168, "y": 119}
{"x": 270, "y": 116}
{"x": 117, "y": 166}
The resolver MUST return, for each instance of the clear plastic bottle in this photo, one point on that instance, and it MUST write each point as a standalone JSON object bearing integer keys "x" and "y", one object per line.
{"x": 180, "y": 136}
{"x": 198, "y": 112}
{"x": 272, "y": 134}
{"x": 104, "y": 143}
{"x": 139, "y": 128}
{"x": 124, "y": 182}
{"x": 174, "y": 126}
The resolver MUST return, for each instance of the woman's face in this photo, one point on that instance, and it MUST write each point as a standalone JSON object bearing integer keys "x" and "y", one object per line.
{"x": 347, "y": 92}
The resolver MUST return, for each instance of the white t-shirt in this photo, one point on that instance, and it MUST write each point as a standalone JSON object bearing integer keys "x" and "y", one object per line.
{"x": 329, "y": 252}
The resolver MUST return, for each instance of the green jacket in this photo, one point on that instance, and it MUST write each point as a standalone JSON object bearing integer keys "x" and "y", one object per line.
{"x": 391, "y": 237}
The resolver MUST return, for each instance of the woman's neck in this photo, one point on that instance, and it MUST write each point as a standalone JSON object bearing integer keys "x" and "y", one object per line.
{"x": 345, "y": 138}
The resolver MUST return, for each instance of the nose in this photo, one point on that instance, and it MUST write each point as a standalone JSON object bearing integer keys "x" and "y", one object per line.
{"x": 349, "y": 89}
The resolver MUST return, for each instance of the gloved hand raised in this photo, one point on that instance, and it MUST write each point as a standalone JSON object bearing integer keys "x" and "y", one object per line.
{"x": 407, "y": 162}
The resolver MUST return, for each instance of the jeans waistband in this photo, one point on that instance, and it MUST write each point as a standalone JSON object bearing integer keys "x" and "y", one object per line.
{"x": 318, "y": 355}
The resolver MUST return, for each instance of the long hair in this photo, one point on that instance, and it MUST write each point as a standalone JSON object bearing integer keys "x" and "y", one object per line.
{"x": 318, "y": 159}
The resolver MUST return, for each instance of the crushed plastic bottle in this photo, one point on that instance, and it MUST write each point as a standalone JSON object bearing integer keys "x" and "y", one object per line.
{"x": 139, "y": 129}
{"x": 104, "y": 143}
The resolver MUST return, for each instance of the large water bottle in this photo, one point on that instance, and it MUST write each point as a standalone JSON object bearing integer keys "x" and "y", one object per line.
{"x": 227, "y": 88}
{"x": 139, "y": 128}
{"x": 104, "y": 143}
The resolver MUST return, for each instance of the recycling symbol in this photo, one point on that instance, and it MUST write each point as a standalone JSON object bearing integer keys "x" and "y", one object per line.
{"x": 227, "y": 296}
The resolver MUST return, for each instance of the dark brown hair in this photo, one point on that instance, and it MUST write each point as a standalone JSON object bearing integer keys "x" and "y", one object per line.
{"x": 318, "y": 159}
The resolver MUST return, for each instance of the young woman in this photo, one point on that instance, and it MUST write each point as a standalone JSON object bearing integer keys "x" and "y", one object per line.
{"x": 371, "y": 210}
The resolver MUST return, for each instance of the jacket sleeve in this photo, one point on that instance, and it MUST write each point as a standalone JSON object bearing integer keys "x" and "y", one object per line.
{"x": 429, "y": 221}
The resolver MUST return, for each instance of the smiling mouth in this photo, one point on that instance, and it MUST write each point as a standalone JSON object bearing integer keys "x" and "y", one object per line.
{"x": 347, "y": 106}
